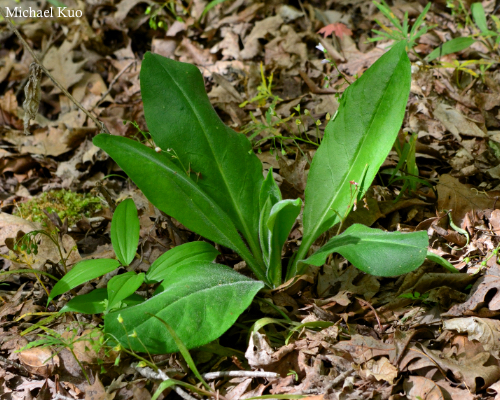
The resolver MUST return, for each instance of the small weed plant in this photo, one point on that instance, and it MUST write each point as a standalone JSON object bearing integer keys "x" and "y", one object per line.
{"x": 228, "y": 201}
{"x": 269, "y": 127}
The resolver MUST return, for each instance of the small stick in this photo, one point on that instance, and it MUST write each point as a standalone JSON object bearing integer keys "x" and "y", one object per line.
{"x": 338, "y": 379}
{"x": 112, "y": 83}
{"x": 16, "y": 365}
{"x": 247, "y": 374}
{"x": 100, "y": 187}
{"x": 56, "y": 82}
{"x": 312, "y": 86}
{"x": 42, "y": 56}
{"x": 375, "y": 312}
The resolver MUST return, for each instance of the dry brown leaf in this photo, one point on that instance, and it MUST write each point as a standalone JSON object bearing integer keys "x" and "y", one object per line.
{"x": 53, "y": 141}
{"x": 420, "y": 281}
{"x": 330, "y": 279}
{"x": 381, "y": 369}
{"x": 258, "y": 352}
{"x": 480, "y": 296}
{"x": 455, "y": 122}
{"x": 6, "y": 64}
{"x": 39, "y": 360}
{"x": 485, "y": 330}
{"x": 286, "y": 50}
{"x": 494, "y": 390}
{"x": 293, "y": 171}
{"x": 453, "y": 195}
{"x": 164, "y": 47}
{"x": 96, "y": 391}
{"x": 10, "y": 225}
{"x": 124, "y": 7}
{"x": 357, "y": 61}
{"x": 470, "y": 370}
{"x": 418, "y": 387}
{"x": 89, "y": 90}
{"x": 32, "y": 94}
{"x": 451, "y": 392}
{"x": 229, "y": 44}
{"x": 261, "y": 29}
{"x": 237, "y": 392}
{"x": 364, "y": 348}
{"x": 59, "y": 61}
{"x": 84, "y": 350}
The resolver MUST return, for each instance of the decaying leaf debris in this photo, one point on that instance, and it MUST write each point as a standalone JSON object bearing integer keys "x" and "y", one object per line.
{"x": 32, "y": 94}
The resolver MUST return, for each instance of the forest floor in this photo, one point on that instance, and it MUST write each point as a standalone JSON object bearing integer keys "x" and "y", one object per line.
{"x": 429, "y": 334}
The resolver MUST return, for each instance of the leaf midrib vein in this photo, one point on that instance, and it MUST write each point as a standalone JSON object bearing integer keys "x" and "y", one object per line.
{"x": 224, "y": 179}
{"x": 325, "y": 212}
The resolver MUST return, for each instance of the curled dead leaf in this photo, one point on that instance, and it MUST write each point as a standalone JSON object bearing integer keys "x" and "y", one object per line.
{"x": 33, "y": 95}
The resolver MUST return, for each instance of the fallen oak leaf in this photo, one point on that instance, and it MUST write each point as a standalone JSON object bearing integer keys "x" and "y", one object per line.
{"x": 485, "y": 330}
{"x": 484, "y": 299}
{"x": 418, "y": 386}
{"x": 364, "y": 348}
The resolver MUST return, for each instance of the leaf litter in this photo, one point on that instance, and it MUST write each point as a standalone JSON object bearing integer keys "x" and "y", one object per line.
{"x": 347, "y": 335}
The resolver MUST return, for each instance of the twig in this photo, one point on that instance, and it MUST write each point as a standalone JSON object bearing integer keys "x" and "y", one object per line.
{"x": 56, "y": 82}
{"x": 312, "y": 86}
{"x": 16, "y": 365}
{"x": 247, "y": 374}
{"x": 100, "y": 187}
{"x": 375, "y": 312}
{"x": 112, "y": 83}
{"x": 42, "y": 56}
{"x": 338, "y": 379}
{"x": 162, "y": 376}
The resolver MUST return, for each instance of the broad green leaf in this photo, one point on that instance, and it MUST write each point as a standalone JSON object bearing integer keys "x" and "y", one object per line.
{"x": 376, "y": 252}
{"x": 201, "y": 301}
{"x": 279, "y": 223}
{"x": 185, "y": 253}
{"x": 122, "y": 286}
{"x": 171, "y": 190}
{"x": 125, "y": 231}
{"x": 479, "y": 17}
{"x": 83, "y": 272}
{"x": 180, "y": 118}
{"x": 90, "y": 303}
{"x": 355, "y": 144}
{"x": 449, "y": 47}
